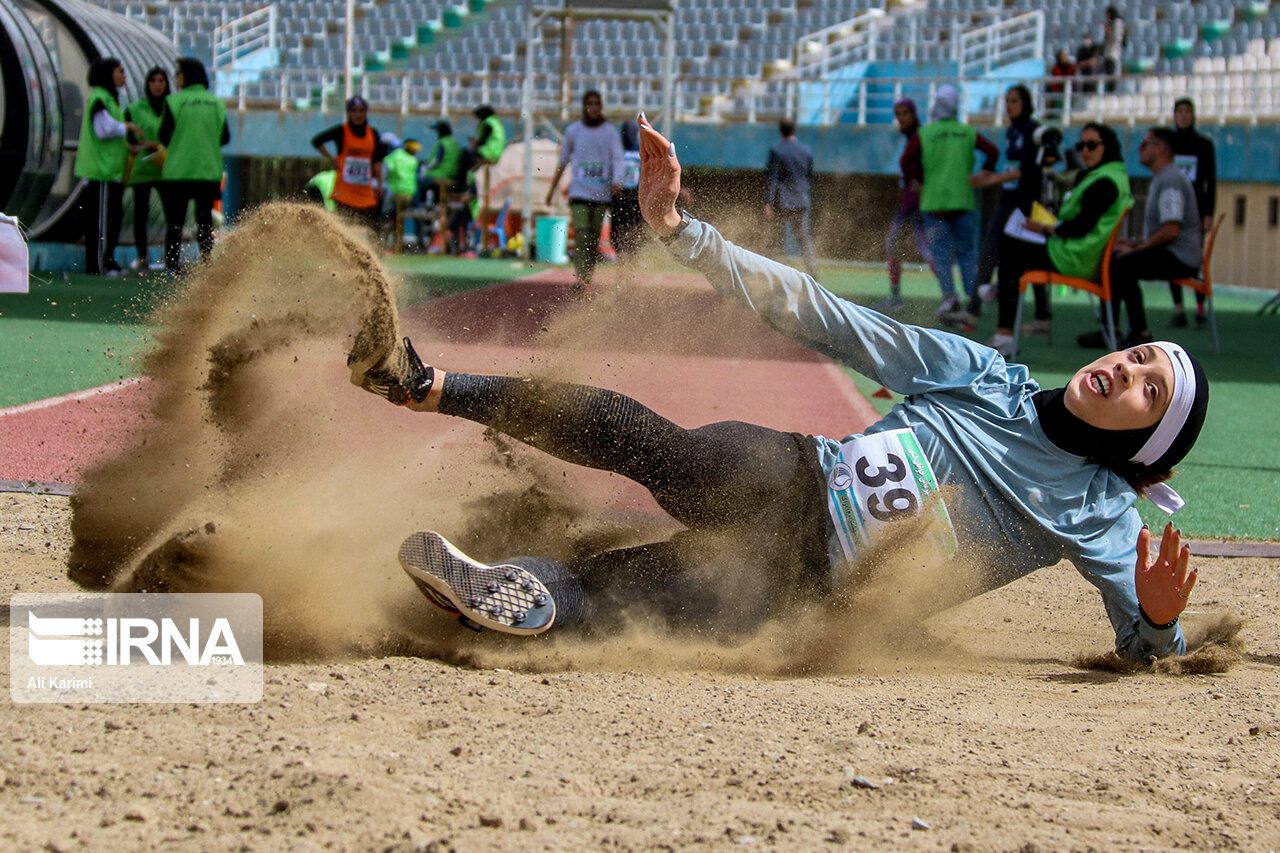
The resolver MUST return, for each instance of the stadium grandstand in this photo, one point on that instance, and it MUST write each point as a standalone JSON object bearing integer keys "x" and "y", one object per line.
{"x": 825, "y": 61}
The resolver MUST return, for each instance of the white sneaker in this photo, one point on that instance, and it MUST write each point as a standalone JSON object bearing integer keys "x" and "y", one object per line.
{"x": 1003, "y": 344}
{"x": 948, "y": 305}
{"x": 503, "y": 598}
{"x": 989, "y": 292}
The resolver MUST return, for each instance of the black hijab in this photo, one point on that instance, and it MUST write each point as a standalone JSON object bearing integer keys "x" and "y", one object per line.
{"x": 157, "y": 103}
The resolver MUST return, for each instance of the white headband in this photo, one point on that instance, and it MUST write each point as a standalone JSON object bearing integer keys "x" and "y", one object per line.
{"x": 1175, "y": 417}
{"x": 1184, "y": 395}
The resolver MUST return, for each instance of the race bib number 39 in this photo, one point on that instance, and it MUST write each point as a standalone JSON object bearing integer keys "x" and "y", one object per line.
{"x": 878, "y": 481}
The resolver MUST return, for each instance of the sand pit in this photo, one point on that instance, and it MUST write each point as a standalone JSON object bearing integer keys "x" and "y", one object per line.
{"x": 998, "y": 724}
{"x": 984, "y": 731}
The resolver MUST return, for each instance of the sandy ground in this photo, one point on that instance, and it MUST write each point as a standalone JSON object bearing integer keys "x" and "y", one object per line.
{"x": 983, "y": 736}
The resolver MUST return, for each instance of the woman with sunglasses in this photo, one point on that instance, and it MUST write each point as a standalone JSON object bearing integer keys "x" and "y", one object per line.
{"x": 1074, "y": 245}
{"x": 1013, "y": 478}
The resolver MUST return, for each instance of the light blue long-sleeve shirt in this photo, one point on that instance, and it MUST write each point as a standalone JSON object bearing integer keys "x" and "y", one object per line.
{"x": 1018, "y": 502}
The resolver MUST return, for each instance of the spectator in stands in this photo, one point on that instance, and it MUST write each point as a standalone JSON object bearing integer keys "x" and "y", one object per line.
{"x": 100, "y": 161}
{"x": 1115, "y": 37}
{"x": 358, "y": 162}
{"x": 1170, "y": 247}
{"x": 401, "y": 168}
{"x": 1063, "y": 70}
{"x": 1074, "y": 245}
{"x": 627, "y": 228}
{"x": 1195, "y": 155}
{"x": 1022, "y": 181}
{"x": 593, "y": 149}
{"x": 943, "y": 151}
{"x": 1063, "y": 67}
{"x": 908, "y": 121}
{"x": 1088, "y": 63}
{"x": 193, "y": 129}
{"x": 145, "y": 159}
{"x": 788, "y": 184}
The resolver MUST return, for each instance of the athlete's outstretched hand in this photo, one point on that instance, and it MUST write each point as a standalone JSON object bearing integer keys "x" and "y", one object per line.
{"x": 1165, "y": 585}
{"x": 659, "y": 179}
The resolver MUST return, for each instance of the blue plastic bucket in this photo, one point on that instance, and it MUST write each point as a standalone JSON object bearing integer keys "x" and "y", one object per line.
{"x": 553, "y": 238}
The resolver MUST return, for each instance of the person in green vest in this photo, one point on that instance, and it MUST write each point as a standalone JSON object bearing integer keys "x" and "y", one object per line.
{"x": 320, "y": 189}
{"x": 491, "y": 137}
{"x": 1073, "y": 245}
{"x": 400, "y": 167}
{"x": 944, "y": 152}
{"x": 444, "y": 176}
{"x": 100, "y": 161}
{"x": 146, "y": 156}
{"x": 485, "y": 150}
{"x": 444, "y": 163}
{"x": 194, "y": 128}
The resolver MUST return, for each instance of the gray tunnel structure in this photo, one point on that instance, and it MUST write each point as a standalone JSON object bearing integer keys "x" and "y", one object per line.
{"x": 46, "y": 47}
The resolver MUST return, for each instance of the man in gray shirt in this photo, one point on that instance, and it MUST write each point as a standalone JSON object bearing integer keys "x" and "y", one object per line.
{"x": 788, "y": 178}
{"x": 1171, "y": 246}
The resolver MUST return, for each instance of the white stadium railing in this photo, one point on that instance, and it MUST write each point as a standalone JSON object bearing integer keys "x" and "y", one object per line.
{"x": 1241, "y": 96}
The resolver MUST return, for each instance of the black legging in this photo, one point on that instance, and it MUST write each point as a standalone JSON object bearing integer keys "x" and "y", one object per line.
{"x": 752, "y": 498}
{"x": 1154, "y": 264}
{"x": 102, "y": 213}
{"x": 176, "y": 196}
{"x": 1016, "y": 257}
{"x": 141, "y": 218}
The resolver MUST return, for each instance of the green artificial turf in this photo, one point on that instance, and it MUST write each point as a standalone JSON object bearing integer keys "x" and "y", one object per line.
{"x": 79, "y": 332}
{"x": 72, "y": 333}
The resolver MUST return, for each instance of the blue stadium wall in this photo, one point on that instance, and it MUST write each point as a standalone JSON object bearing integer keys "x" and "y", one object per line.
{"x": 1246, "y": 154}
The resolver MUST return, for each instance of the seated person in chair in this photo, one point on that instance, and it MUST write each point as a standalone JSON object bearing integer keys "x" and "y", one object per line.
{"x": 1074, "y": 245}
{"x": 1170, "y": 247}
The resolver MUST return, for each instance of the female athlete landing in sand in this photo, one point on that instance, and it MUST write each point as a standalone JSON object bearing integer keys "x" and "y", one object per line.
{"x": 1029, "y": 476}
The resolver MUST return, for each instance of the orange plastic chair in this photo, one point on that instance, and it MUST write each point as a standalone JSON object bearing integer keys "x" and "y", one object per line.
{"x": 1205, "y": 286}
{"x": 1101, "y": 288}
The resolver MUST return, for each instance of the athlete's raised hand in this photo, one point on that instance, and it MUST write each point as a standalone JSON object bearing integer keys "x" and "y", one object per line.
{"x": 1163, "y": 586}
{"x": 659, "y": 179}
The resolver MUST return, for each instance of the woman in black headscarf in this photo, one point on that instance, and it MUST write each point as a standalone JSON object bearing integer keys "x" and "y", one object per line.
{"x": 100, "y": 162}
{"x": 1074, "y": 245}
{"x": 145, "y": 157}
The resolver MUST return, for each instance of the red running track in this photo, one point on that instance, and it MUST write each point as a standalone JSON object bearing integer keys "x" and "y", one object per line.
{"x": 709, "y": 361}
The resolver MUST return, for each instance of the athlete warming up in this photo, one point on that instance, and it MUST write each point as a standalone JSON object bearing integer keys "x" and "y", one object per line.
{"x": 1029, "y": 475}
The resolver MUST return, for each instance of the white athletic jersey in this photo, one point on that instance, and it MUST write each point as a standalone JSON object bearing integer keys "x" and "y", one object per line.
{"x": 1018, "y": 502}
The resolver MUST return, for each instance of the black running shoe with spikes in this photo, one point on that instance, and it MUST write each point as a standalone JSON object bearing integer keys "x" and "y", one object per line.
{"x": 401, "y": 377}
{"x": 502, "y": 598}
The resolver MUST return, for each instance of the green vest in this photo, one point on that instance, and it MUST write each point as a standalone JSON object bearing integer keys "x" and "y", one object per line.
{"x": 497, "y": 141}
{"x": 101, "y": 159}
{"x": 195, "y": 151}
{"x": 946, "y": 155}
{"x": 1082, "y": 256}
{"x": 324, "y": 182}
{"x": 400, "y": 169}
{"x": 450, "y": 157}
{"x": 145, "y": 169}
